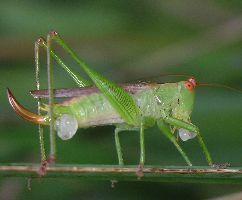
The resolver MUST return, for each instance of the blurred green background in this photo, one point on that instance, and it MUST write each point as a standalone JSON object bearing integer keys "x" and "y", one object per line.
{"x": 125, "y": 40}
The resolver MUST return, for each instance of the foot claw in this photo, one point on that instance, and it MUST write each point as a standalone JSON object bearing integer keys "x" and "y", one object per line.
{"x": 42, "y": 168}
{"x": 44, "y": 164}
{"x": 51, "y": 159}
{"x": 139, "y": 171}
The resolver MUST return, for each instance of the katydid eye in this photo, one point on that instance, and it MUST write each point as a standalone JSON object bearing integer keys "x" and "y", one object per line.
{"x": 189, "y": 85}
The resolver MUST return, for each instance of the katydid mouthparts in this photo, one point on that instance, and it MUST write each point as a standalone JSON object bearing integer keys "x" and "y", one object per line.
{"x": 100, "y": 102}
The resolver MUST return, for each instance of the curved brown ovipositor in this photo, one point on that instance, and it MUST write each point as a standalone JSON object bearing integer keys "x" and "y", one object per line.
{"x": 23, "y": 112}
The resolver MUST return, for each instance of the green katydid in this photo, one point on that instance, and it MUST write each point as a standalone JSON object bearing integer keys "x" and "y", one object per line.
{"x": 102, "y": 102}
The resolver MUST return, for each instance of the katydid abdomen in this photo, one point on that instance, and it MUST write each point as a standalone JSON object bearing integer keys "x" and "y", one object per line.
{"x": 95, "y": 110}
{"x": 89, "y": 110}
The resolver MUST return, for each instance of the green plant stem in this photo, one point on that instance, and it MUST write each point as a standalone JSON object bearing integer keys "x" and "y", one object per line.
{"x": 185, "y": 174}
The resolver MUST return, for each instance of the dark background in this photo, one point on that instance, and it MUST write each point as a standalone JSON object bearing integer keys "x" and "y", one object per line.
{"x": 125, "y": 40}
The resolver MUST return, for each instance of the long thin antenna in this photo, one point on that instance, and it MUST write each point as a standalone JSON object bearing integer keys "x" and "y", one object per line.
{"x": 220, "y": 86}
{"x": 148, "y": 79}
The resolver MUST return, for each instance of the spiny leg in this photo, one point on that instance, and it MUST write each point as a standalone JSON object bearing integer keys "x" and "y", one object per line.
{"x": 40, "y": 127}
{"x": 166, "y": 130}
{"x": 116, "y": 95}
{"x": 51, "y": 99}
{"x": 80, "y": 81}
{"x": 190, "y": 127}
{"x": 120, "y": 100}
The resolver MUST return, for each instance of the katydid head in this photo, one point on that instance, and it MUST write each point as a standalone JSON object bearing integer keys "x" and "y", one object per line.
{"x": 185, "y": 99}
{"x": 182, "y": 109}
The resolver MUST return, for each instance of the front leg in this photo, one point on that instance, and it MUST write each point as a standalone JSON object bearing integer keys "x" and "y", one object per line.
{"x": 190, "y": 127}
{"x": 167, "y": 132}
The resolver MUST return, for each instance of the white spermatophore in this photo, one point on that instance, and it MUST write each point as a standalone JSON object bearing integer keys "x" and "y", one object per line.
{"x": 66, "y": 126}
{"x": 185, "y": 134}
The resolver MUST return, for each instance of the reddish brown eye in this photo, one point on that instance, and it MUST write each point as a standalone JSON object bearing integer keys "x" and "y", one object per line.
{"x": 189, "y": 85}
{"x": 192, "y": 81}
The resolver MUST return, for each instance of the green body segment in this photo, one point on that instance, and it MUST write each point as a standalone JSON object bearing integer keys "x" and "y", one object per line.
{"x": 158, "y": 101}
{"x": 90, "y": 110}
